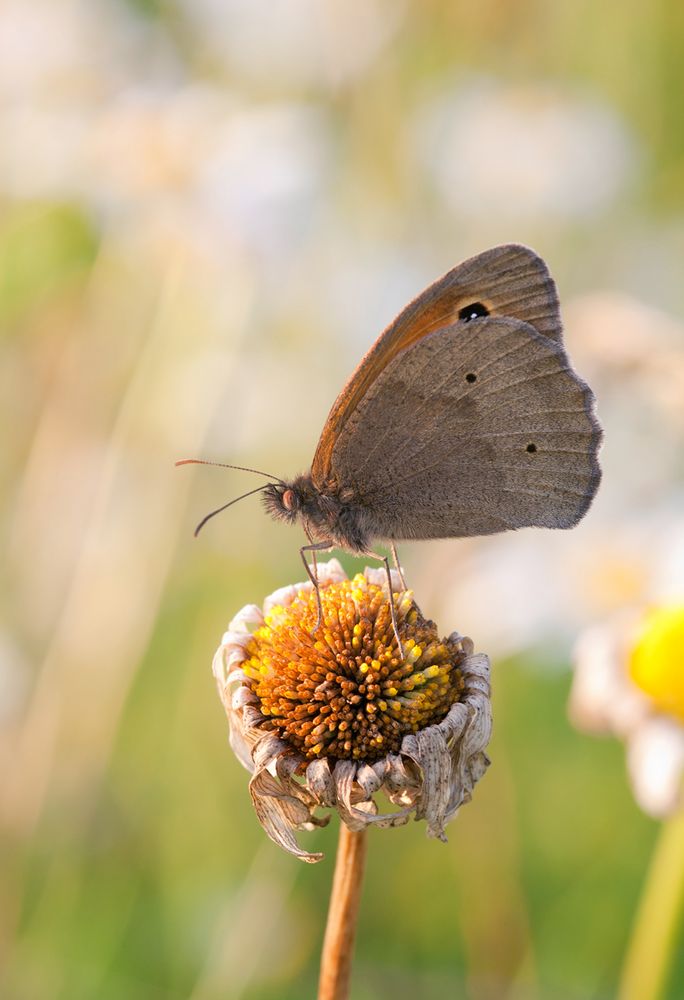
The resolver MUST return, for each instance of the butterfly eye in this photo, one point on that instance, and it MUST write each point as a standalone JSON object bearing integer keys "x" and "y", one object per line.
{"x": 471, "y": 377}
{"x": 288, "y": 499}
{"x": 472, "y": 311}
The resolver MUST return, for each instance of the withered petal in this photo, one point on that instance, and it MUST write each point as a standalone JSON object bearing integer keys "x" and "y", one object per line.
{"x": 320, "y": 780}
{"x": 279, "y": 814}
{"x": 267, "y": 750}
{"x": 344, "y": 774}
{"x": 248, "y": 618}
{"x": 428, "y": 750}
{"x": 241, "y": 747}
{"x": 401, "y": 778}
{"x": 286, "y": 766}
{"x": 368, "y": 779}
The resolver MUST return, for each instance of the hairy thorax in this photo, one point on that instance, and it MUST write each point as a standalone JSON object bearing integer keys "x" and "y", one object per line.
{"x": 327, "y": 514}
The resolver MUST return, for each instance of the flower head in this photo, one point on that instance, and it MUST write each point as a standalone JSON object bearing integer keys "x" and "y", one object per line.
{"x": 629, "y": 681}
{"x": 327, "y": 717}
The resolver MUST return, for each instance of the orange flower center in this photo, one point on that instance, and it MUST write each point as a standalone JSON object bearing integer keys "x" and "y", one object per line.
{"x": 343, "y": 691}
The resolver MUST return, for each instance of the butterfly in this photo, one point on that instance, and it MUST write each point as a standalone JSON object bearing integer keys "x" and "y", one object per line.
{"x": 464, "y": 418}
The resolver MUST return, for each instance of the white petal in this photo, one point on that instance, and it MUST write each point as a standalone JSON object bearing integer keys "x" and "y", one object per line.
{"x": 602, "y": 698}
{"x": 232, "y": 651}
{"x": 247, "y": 619}
{"x": 236, "y": 677}
{"x": 225, "y": 663}
{"x": 283, "y": 597}
{"x": 377, "y": 576}
{"x": 328, "y": 572}
{"x": 655, "y": 758}
{"x": 331, "y": 572}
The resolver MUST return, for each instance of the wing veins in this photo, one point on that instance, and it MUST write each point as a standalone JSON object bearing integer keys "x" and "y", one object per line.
{"x": 532, "y": 378}
{"x": 435, "y": 392}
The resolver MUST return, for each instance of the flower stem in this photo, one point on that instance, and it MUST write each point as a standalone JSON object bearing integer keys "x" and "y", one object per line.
{"x": 654, "y": 936}
{"x": 340, "y": 931}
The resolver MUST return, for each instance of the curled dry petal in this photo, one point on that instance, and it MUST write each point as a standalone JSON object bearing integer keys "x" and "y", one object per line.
{"x": 439, "y": 693}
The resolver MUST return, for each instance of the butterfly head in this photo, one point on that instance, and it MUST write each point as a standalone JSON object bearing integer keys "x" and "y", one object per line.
{"x": 287, "y": 501}
{"x": 328, "y": 514}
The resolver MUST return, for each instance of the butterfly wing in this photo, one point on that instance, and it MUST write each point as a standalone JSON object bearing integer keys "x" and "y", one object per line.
{"x": 478, "y": 427}
{"x": 508, "y": 280}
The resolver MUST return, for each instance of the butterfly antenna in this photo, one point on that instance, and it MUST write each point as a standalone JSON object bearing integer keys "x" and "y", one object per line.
{"x": 224, "y": 465}
{"x": 225, "y": 507}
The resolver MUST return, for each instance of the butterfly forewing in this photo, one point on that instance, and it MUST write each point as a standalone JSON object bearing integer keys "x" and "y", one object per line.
{"x": 475, "y": 428}
{"x": 508, "y": 280}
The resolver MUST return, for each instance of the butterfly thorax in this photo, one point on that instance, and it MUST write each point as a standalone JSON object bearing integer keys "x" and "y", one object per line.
{"x": 328, "y": 514}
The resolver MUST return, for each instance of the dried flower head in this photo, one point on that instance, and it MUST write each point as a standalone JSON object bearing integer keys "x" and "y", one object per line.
{"x": 330, "y": 717}
{"x": 629, "y": 681}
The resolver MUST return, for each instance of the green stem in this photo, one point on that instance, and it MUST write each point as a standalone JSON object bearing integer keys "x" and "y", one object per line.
{"x": 652, "y": 947}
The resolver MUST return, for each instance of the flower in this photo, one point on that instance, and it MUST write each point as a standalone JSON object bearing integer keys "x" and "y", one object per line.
{"x": 657, "y": 660}
{"x": 629, "y": 681}
{"x": 566, "y": 157}
{"x": 328, "y": 717}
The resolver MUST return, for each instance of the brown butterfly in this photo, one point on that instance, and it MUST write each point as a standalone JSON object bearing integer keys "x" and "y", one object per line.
{"x": 464, "y": 418}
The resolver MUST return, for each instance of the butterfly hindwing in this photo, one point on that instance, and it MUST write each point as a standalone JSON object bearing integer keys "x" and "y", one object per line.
{"x": 475, "y": 428}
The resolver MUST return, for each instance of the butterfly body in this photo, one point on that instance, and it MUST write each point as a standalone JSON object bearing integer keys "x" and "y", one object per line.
{"x": 327, "y": 514}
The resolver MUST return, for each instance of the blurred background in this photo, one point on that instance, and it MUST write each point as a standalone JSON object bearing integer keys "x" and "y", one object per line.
{"x": 208, "y": 211}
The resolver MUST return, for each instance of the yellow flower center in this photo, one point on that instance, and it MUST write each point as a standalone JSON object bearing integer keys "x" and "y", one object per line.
{"x": 657, "y": 660}
{"x": 343, "y": 691}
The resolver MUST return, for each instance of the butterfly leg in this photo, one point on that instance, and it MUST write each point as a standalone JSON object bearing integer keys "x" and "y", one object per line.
{"x": 397, "y": 564}
{"x": 313, "y": 548}
{"x": 385, "y": 560}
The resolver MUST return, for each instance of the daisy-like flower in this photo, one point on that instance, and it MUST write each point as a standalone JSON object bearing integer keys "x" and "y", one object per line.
{"x": 328, "y": 717}
{"x": 629, "y": 681}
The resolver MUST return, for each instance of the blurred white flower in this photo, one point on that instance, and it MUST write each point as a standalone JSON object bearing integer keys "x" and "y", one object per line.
{"x": 43, "y": 152}
{"x": 264, "y": 176}
{"x": 629, "y": 682}
{"x": 320, "y": 42}
{"x": 636, "y": 351}
{"x": 243, "y": 169}
{"x": 525, "y": 152}
{"x": 52, "y": 48}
